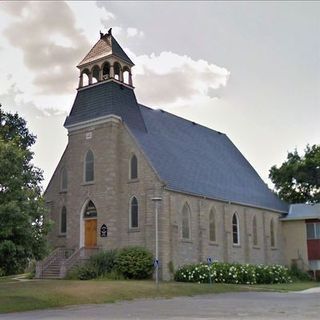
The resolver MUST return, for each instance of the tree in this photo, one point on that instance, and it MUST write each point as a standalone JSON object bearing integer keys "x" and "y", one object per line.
{"x": 298, "y": 178}
{"x": 23, "y": 222}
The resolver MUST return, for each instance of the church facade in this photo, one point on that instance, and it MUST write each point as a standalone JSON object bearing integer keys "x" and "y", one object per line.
{"x": 121, "y": 154}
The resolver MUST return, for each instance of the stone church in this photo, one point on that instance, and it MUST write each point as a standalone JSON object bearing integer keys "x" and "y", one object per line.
{"x": 121, "y": 154}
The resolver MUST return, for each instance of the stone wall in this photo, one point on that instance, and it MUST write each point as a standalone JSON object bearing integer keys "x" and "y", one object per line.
{"x": 111, "y": 192}
{"x": 199, "y": 247}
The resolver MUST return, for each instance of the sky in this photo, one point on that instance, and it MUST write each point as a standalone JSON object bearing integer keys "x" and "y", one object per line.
{"x": 248, "y": 69}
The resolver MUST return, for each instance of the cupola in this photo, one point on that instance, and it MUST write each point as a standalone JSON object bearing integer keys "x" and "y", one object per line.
{"x": 106, "y": 61}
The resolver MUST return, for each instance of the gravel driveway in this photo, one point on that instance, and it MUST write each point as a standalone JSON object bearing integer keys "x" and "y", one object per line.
{"x": 243, "y": 305}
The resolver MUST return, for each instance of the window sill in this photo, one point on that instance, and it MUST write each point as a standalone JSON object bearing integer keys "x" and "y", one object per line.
{"x": 89, "y": 183}
{"x": 62, "y": 235}
{"x": 133, "y": 180}
{"x": 236, "y": 245}
{"x": 186, "y": 240}
{"x": 274, "y": 248}
{"x": 133, "y": 230}
{"x": 63, "y": 191}
{"x": 213, "y": 243}
{"x": 256, "y": 247}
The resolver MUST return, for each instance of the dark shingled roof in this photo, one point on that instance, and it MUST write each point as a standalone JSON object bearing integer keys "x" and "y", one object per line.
{"x": 104, "y": 99}
{"x": 187, "y": 157}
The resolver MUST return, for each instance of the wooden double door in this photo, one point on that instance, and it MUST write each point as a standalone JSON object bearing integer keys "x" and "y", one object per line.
{"x": 90, "y": 233}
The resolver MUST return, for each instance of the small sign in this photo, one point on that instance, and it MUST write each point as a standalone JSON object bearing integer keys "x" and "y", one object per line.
{"x": 156, "y": 263}
{"x": 209, "y": 260}
{"x": 103, "y": 231}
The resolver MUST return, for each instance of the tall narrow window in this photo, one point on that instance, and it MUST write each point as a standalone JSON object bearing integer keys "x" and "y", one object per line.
{"x": 272, "y": 234}
{"x": 212, "y": 225}
{"x": 254, "y": 231}
{"x": 133, "y": 167}
{"x": 134, "y": 213}
{"x": 235, "y": 229}
{"x": 64, "y": 179}
{"x": 186, "y": 222}
{"x": 63, "y": 221}
{"x": 89, "y": 167}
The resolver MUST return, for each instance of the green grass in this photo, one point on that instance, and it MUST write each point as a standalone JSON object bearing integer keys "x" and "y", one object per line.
{"x": 286, "y": 287}
{"x": 42, "y": 294}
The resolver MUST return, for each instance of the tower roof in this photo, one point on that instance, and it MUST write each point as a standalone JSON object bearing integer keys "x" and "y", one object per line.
{"x": 106, "y": 46}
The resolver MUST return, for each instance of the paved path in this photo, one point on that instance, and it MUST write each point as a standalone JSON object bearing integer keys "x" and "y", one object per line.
{"x": 243, "y": 305}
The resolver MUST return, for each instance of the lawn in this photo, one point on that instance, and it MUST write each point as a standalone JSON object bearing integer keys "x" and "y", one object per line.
{"x": 41, "y": 294}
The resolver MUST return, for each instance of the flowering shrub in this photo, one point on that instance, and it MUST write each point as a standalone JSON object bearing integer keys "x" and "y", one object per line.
{"x": 233, "y": 273}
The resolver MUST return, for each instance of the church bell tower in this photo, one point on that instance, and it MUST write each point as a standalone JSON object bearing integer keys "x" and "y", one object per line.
{"x": 106, "y": 61}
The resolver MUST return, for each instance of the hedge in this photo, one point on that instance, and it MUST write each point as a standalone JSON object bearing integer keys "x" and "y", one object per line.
{"x": 233, "y": 273}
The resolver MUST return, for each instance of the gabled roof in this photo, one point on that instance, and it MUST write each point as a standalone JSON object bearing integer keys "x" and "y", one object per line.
{"x": 188, "y": 157}
{"x": 106, "y": 46}
{"x": 302, "y": 211}
{"x": 194, "y": 159}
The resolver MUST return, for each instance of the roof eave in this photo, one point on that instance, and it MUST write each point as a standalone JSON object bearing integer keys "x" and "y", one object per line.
{"x": 224, "y": 200}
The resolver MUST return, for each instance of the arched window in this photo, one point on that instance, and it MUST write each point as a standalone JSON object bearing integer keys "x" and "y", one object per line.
{"x": 90, "y": 211}
{"x": 235, "y": 229}
{"x": 134, "y": 212}
{"x": 89, "y": 167}
{"x": 126, "y": 73}
{"x": 117, "y": 71}
{"x": 106, "y": 71}
{"x": 254, "y": 231}
{"x": 95, "y": 74}
{"x": 212, "y": 225}
{"x": 63, "y": 221}
{"x": 272, "y": 234}
{"x": 186, "y": 222}
{"x": 64, "y": 179}
{"x": 133, "y": 167}
{"x": 85, "y": 77}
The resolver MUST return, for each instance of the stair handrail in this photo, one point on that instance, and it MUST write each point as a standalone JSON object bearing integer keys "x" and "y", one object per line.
{"x": 41, "y": 265}
{"x": 80, "y": 254}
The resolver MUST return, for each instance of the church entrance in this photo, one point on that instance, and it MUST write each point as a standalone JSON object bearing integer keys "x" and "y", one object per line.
{"x": 90, "y": 225}
{"x": 90, "y": 233}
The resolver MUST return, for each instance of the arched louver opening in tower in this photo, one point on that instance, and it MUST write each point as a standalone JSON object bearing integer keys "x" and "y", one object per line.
{"x": 106, "y": 71}
{"x": 95, "y": 74}
{"x": 117, "y": 71}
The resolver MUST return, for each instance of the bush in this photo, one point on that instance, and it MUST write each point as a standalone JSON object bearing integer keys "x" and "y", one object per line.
{"x": 84, "y": 272}
{"x": 298, "y": 274}
{"x": 233, "y": 273}
{"x": 103, "y": 262}
{"x": 134, "y": 263}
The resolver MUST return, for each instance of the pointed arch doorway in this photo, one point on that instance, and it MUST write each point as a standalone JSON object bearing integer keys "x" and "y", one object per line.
{"x": 90, "y": 225}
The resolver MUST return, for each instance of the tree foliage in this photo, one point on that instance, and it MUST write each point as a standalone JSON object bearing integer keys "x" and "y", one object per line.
{"x": 298, "y": 178}
{"x": 23, "y": 224}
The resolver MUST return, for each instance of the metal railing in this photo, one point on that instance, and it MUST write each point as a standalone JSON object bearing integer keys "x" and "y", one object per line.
{"x": 76, "y": 258}
{"x": 56, "y": 254}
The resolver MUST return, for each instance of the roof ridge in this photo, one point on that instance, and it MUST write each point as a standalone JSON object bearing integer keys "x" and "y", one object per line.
{"x": 179, "y": 117}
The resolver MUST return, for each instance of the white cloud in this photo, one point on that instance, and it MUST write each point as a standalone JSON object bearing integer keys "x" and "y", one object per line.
{"x": 51, "y": 44}
{"x": 172, "y": 79}
{"x": 134, "y": 32}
